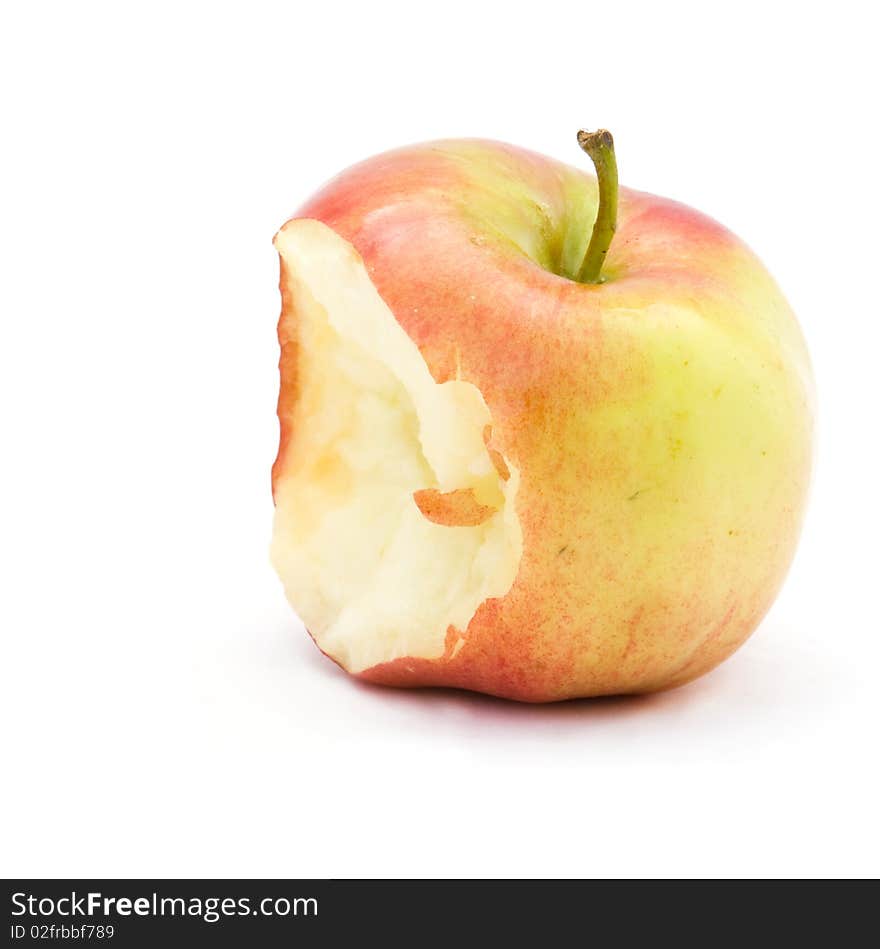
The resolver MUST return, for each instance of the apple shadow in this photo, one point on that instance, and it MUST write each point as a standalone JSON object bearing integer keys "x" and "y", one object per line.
{"x": 773, "y": 674}
{"x": 495, "y": 708}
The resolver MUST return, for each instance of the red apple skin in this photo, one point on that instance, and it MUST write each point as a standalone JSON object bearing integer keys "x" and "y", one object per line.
{"x": 648, "y": 556}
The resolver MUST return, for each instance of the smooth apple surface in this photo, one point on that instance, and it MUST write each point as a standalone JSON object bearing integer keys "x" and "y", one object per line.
{"x": 494, "y": 477}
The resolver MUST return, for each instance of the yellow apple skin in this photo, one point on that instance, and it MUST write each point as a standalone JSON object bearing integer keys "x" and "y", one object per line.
{"x": 661, "y": 421}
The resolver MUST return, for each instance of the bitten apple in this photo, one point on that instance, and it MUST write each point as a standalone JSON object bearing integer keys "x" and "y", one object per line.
{"x": 518, "y": 456}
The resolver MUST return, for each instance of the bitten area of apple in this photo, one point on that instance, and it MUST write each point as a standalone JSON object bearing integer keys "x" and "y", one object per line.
{"x": 394, "y": 521}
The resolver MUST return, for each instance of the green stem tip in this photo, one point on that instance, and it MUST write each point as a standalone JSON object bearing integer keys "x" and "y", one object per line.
{"x": 600, "y": 147}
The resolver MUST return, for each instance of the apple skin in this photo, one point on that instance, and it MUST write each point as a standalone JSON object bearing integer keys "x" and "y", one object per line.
{"x": 661, "y": 421}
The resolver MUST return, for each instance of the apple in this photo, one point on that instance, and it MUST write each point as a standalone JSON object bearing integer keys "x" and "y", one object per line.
{"x": 541, "y": 437}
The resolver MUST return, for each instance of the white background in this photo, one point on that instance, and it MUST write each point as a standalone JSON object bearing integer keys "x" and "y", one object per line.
{"x": 165, "y": 714}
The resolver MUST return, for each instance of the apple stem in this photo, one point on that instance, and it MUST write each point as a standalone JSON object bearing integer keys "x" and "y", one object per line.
{"x": 600, "y": 147}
